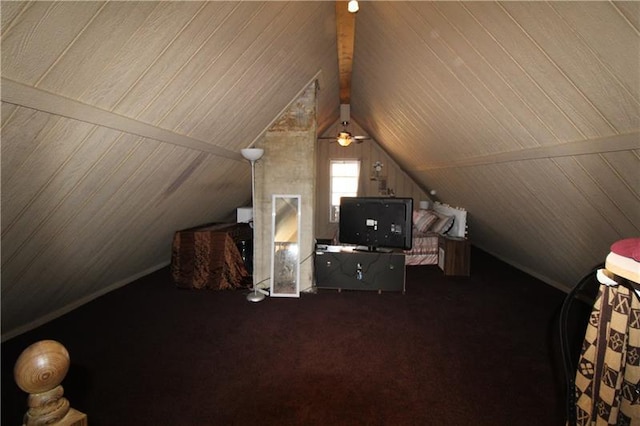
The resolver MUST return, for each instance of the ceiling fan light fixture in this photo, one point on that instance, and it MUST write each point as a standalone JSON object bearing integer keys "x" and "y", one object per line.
{"x": 352, "y": 6}
{"x": 344, "y": 138}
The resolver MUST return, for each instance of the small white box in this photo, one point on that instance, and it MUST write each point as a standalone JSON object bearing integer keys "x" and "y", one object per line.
{"x": 244, "y": 214}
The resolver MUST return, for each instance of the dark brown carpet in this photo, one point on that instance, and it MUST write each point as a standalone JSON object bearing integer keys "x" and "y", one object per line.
{"x": 452, "y": 351}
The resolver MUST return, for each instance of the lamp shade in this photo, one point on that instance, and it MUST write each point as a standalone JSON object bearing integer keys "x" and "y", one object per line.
{"x": 252, "y": 154}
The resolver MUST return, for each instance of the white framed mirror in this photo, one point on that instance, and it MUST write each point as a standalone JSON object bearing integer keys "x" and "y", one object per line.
{"x": 285, "y": 246}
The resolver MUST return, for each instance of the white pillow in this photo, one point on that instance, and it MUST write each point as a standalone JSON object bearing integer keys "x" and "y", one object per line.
{"x": 443, "y": 224}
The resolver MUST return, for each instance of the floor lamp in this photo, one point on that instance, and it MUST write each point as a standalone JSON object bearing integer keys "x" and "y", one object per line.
{"x": 253, "y": 155}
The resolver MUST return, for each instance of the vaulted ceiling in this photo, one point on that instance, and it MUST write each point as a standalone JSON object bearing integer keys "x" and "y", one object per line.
{"x": 122, "y": 122}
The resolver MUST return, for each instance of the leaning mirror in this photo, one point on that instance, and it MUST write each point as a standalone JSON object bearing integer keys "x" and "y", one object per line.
{"x": 285, "y": 261}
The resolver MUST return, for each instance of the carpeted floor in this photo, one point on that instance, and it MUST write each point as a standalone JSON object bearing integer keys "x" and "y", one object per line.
{"x": 482, "y": 350}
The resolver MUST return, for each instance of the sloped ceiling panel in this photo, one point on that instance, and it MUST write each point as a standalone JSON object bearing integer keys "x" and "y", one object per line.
{"x": 122, "y": 123}
{"x": 525, "y": 113}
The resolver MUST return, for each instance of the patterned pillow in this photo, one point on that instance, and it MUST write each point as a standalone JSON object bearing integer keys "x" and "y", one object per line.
{"x": 443, "y": 224}
{"x": 423, "y": 219}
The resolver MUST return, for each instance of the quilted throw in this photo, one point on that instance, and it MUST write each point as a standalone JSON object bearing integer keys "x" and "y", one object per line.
{"x": 423, "y": 252}
{"x": 608, "y": 372}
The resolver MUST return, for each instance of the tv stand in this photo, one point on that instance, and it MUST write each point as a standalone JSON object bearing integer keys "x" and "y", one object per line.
{"x": 347, "y": 268}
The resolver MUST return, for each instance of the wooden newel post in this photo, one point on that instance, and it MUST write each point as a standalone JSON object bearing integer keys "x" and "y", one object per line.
{"x": 39, "y": 371}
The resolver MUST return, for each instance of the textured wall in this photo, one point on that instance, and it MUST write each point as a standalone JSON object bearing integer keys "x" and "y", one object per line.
{"x": 288, "y": 167}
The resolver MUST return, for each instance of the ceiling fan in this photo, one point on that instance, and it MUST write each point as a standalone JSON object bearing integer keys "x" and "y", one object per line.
{"x": 345, "y": 33}
{"x": 345, "y": 137}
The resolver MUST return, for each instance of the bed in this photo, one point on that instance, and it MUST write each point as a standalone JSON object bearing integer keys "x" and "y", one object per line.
{"x": 429, "y": 222}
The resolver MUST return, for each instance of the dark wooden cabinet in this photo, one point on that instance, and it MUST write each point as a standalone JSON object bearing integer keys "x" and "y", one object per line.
{"x": 343, "y": 268}
{"x": 454, "y": 255}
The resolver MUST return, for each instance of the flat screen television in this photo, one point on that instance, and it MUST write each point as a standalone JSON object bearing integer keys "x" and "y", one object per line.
{"x": 376, "y": 223}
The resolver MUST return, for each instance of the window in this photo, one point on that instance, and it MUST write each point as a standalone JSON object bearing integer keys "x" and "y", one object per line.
{"x": 344, "y": 183}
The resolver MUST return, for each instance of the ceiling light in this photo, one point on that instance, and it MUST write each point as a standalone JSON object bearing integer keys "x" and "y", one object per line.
{"x": 344, "y": 139}
{"x": 353, "y": 6}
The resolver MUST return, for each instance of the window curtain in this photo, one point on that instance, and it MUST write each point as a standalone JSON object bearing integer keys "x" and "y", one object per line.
{"x": 608, "y": 371}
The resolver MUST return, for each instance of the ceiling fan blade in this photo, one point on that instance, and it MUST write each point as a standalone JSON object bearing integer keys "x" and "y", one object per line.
{"x": 335, "y": 140}
{"x": 356, "y": 139}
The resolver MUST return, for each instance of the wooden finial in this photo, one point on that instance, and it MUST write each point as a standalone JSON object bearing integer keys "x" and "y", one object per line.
{"x": 39, "y": 370}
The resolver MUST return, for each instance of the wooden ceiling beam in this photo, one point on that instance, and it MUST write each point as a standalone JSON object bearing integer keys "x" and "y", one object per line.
{"x": 345, "y": 32}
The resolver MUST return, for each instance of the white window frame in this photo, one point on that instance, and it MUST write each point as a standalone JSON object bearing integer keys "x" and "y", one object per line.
{"x": 334, "y": 209}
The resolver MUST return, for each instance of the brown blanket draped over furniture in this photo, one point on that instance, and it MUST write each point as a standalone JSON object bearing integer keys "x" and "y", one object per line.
{"x": 207, "y": 257}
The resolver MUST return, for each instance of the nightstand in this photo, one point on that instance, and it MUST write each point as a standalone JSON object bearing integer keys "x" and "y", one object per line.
{"x": 454, "y": 255}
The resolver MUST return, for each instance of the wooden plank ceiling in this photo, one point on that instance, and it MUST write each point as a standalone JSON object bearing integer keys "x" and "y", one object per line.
{"x": 345, "y": 39}
{"x": 525, "y": 113}
{"x": 122, "y": 122}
